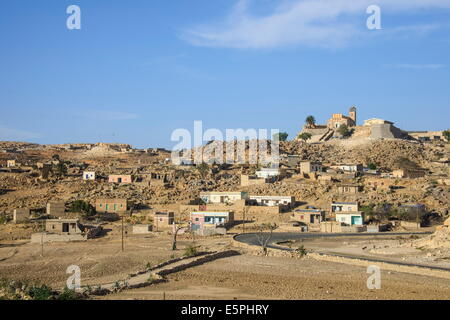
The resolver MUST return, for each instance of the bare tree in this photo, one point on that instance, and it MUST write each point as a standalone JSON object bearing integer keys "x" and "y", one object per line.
{"x": 178, "y": 226}
{"x": 264, "y": 235}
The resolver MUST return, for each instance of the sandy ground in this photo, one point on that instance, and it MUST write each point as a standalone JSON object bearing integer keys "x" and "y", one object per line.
{"x": 257, "y": 277}
{"x": 240, "y": 277}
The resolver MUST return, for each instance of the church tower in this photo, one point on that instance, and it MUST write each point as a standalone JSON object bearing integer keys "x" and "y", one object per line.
{"x": 352, "y": 114}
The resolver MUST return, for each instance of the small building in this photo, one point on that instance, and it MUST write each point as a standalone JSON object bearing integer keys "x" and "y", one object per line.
{"x": 10, "y": 163}
{"x": 310, "y": 167}
{"x": 142, "y": 229}
{"x": 21, "y": 215}
{"x": 89, "y": 175}
{"x": 408, "y": 173}
{"x": 163, "y": 220}
{"x": 56, "y": 209}
{"x": 337, "y": 207}
{"x": 120, "y": 178}
{"x": 309, "y": 216}
{"x": 210, "y": 223}
{"x": 272, "y": 201}
{"x": 63, "y": 226}
{"x": 268, "y": 173}
{"x": 378, "y": 183}
{"x": 223, "y": 197}
{"x": 117, "y": 206}
{"x": 349, "y": 189}
{"x": 350, "y": 218}
{"x": 358, "y": 168}
{"x": 248, "y": 180}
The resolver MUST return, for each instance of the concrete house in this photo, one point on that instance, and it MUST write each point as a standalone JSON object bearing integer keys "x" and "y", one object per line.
{"x": 349, "y": 189}
{"x": 56, "y": 208}
{"x": 11, "y": 163}
{"x": 63, "y": 226}
{"x": 272, "y": 201}
{"x": 310, "y": 167}
{"x": 408, "y": 173}
{"x": 223, "y": 197}
{"x": 309, "y": 216}
{"x": 350, "y": 167}
{"x": 268, "y": 173}
{"x": 112, "y": 205}
{"x": 89, "y": 175}
{"x": 337, "y": 207}
{"x": 21, "y": 215}
{"x": 163, "y": 220}
{"x": 120, "y": 178}
{"x": 350, "y": 218}
{"x": 210, "y": 223}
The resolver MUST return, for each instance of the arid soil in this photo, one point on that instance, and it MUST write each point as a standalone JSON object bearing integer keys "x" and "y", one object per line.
{"x": 257, "y": 277}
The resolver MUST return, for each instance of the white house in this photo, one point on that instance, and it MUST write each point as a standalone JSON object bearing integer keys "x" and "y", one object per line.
{"x": 88, "y": 175}
{"x": 351, "y": 167}
{"x": 337, "y": 207}
{"x": 223, "y": 197}
{"x": 267, "y": 173}
{"x": 350, "y": 218}
{"x": 272, "y": 201}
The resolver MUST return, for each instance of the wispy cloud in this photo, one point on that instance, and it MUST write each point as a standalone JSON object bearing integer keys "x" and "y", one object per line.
{"x": 109, "y": 115}
{"x": 416, "y": 66}
{"x": 327, "y": 23}
{"x": 17, "y": 134}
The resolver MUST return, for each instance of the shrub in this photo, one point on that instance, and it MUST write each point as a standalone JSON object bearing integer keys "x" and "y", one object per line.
{"x": 190, "y": 251}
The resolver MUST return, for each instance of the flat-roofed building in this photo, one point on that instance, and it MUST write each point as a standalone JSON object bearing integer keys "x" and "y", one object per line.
{"x": 310, "y": 166}
{"x": 309, "y": 216}
{"x": 120, "y": 178}
{"x": 119, "y": 205}
{"x": 89, "y": 175}
{"x": 223, "y": 197}
{"x": 56, "y": 208}
{"x": 163, "y": 220}
{"x": 272, "y": 201}
{"x": 210, "y": 223}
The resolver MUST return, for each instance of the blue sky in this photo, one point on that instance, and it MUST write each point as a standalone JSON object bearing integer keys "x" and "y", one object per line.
{"x": 137, "y": 70}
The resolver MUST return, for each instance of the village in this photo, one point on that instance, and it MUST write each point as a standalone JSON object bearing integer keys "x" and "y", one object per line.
{"x": 383, "y": 186}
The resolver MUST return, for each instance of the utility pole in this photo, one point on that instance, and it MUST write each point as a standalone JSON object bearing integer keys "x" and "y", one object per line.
{"x": 122, "y": 234}
{"x": 42, "y": 239}
{"x": 243, "y": 220}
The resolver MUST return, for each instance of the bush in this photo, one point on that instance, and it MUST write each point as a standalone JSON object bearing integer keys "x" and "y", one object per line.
{"x": 83, "y": 207}
{"x": 190, "y": 251}
{"x": 40, "y": 292}
{"x": 69, "y": 294}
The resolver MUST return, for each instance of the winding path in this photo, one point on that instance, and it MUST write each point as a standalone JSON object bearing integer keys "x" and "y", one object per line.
{"x": 251, "y": 239}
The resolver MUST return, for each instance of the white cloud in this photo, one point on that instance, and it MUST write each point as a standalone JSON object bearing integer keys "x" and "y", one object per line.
{"x": 9, "y": 134}
{"x": 327, "y": 23}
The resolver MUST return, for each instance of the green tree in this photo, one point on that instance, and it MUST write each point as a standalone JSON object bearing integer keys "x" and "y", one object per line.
{"x": 203, "y": 169}
{"x": 61, "y": 169}
{"x": 343, "y": 130}
{"x": 83, "y": 207}
{"x": 305, "y": 136}
{"x": 446, "y": 134}
{"x": 282, "y": 136}
{"x": 310, "y": 121}
{"x": 372, "y": 166}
